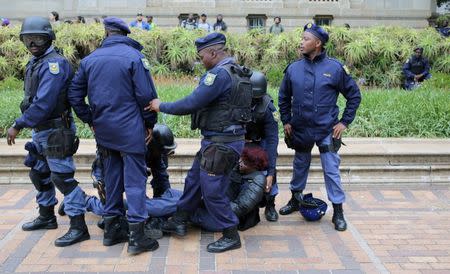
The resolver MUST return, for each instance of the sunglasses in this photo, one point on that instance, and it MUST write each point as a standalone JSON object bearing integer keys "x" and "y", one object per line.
{"x": 37, "y": 40}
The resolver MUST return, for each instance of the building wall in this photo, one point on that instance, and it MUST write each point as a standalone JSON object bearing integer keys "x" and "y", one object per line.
{"x": 294, "y": 13}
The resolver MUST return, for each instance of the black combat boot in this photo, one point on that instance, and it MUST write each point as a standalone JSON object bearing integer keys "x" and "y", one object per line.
{"x": 229, "y": 241}
{"x": 152, "y": 228}
{"x": 101, "y": 223}
{"x": 116, "y": 230}
{"x": 338, "y": 218}
{"x": 78, "y": 232}
{"x": 138, "y": 242}
{"x": 61, "y": 211}
{"x": 293, "y": 204}
{"x": 177, "y": 224}
{"x": 45, "y": 220}
{"x": 270, "y": 212}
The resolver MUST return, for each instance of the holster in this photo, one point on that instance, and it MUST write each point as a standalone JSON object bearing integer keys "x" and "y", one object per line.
{"x": 62, "y": 143}
{"x": 218, "y": 159}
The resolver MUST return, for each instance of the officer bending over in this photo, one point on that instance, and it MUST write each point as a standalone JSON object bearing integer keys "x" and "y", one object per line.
{"x": 307, "y": 101}
{"x": 220, "y": 107}
{"x": 45, "y": 109}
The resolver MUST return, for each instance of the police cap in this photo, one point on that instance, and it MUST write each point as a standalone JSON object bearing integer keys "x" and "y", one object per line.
{"x": 114, "y": 23}
{"x": 212, "y": 39}
{"x": 317, "y": 31}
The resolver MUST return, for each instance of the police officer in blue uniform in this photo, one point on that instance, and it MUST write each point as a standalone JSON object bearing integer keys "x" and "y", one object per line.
{"x": 46, "y": 110}
{"x": 307, "y": 101}
{"x": 220, "y": 107}
{"x": 263, "y": 130}
{"x": 416, "y": 69}
{"x": 117, "y": 81}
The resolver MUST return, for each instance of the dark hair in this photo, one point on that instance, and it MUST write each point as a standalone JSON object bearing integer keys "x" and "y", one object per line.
{"x": 81, "y": 19}
{"x": 276, "y": 18}
{"x": 56, "y": 15}
{"x": 255, "y": 157}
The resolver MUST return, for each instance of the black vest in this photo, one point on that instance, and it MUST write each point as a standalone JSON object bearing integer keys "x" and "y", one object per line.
{"x": 32, "y": 81}
{"x": 235, "y": 111}
{"x": 255, "y": 129}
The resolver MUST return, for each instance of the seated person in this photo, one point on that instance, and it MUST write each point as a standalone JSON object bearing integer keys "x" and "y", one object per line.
{"x": 416, "y": 69}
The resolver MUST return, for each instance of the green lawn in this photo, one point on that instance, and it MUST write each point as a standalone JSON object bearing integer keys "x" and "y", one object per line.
{"x": 383, "y": 113}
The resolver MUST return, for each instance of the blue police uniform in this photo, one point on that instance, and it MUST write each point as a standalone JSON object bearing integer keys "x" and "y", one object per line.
{"x": 117, "y": 81}
{"x": 415, "y": 66}
{"x": 307, "y": 101}
{"x": 54, "y": 76}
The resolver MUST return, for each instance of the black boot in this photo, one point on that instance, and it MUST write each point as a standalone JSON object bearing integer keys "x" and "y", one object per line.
{"x": 338, "y": 218}
{"x": 270, "y": 212}
{"x": 78, "y": 232}
{"x": 116, "y": 230}
{"x": 45, "y": 220}
{"x": 229, "y": 241}
{"x": 293, "y": 204}
{"x": 152, "y": 228}
{"x": 61, "y": 211}
{"x": 138, "y": 242}
{"x": 101, "y": 223}
{"x": 177, "y": 224}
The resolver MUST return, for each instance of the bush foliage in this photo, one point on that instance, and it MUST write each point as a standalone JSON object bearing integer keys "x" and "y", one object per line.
{"x": 375, "y": 54}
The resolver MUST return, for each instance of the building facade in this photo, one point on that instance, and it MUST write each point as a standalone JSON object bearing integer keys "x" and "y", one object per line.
{"x": 240, "y": 15}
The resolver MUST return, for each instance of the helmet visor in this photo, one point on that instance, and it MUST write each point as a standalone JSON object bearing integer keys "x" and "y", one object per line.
{"x": 35, "y": 39}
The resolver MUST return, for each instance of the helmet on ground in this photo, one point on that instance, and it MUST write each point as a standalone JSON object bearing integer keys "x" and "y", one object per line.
{"x": 259, "y": 84}
{"x": 163, "y": 139}
{"x": 312, "y": 209}
{"x": 37, "y": 25}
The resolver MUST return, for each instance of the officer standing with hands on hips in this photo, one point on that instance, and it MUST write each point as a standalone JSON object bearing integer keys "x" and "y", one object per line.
{"x": 117, "y": 81}
{"x": 45, "y": 109}
{"x": 307, "y": 101}
{"x": 219, "y": 107}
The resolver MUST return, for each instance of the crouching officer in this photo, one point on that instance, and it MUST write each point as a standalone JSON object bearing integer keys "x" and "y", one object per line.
{"x": 219, "y": 107}
{"x": 263, "y": 130}
{"x": 46, "y": 110}
{"x": 117, "y": 81}
{"x": 307, "y": 101}
{"x": 416, "y": 69}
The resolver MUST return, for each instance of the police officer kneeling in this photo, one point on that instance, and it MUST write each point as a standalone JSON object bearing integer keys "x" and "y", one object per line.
{"x": 307, "y": 101}
{"x": 46, "y": 110}
{"x": 220, "y": 107}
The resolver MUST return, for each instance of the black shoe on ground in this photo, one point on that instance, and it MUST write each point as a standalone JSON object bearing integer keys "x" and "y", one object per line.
{"x": 61, "y": 211}
{"x": 152, "y": 228}
{"x": 78, "y": 232}
{"x": 177, "y": 224}
{"x": 45, "y": 220}
{"x": 338, "y": 218}
{"x": 229, "y": 241}
{"x": 116, "y": 230}
{"x": 293, "y": 204}
{"x": 138, "y": 242}
{"x": 270, "y": 211}
{"x": 101, "y": 223}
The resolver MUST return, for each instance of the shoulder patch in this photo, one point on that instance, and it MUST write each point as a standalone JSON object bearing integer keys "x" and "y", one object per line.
{"x": 407, "y": 61}
{"x": 145, "y": 63}
{"x": 346, "y": 69}
{"x": 53, "y": 67}
{"x": 209, "y": 79}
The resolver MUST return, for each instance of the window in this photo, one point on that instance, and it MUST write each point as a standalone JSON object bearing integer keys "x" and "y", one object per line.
{"x": 256, "y": 21}
{"x": 323, "y": 20}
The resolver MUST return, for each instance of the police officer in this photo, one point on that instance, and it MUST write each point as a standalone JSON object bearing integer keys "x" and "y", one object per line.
{"x": 220, "y": 106}
{"x": 263, "y": 130}
{"x": 46, "y": 110}
{"x": 416, "y": 69}
{"x": 307, "y": 101}
{"x": 116, "y": 78}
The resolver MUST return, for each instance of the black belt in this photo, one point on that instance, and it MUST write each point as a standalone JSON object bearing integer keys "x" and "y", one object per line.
{"x": 55, "y": 123}
{"x": 225, "y": 138}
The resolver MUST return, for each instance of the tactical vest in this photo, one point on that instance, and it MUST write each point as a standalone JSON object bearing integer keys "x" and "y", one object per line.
{"x": 255, "y": 129}
{"x": 235, "y": 111}
{"x": 32, "y": 81}
{"x": 417, "y": 66}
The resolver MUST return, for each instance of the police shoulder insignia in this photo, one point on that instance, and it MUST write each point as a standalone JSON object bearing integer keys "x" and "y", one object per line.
{"x": 407, "y": 61}
{"x": 346, "y": 69}
{"x": 146, "y": 63}
{"x": 209, "y": 79}
{"x": 309, "y": 25}
{"x": 53, "y": 67}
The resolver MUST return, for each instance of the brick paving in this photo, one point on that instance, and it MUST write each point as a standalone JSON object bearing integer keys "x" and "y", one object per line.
{"x": 392, "y": 229}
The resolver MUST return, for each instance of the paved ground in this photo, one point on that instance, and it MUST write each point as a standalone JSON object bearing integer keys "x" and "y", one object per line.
{"x": 391, "y": 229}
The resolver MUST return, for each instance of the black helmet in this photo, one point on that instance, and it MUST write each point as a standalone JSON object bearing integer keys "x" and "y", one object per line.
{"x": 163, "y": 139}
{"x": 259, "y": 84}
{"x": 37, "y": 25}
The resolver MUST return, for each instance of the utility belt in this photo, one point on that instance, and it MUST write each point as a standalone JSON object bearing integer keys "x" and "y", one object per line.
{"x": 54, "y": 123}
{"x": 62, "y": 141}
{"x": 225, "y": 138}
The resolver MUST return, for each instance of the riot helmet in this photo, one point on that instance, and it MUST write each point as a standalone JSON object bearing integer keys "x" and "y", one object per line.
{"x": 259, "y": 84}
{"x": 163, "y": 140}
{"x": 312, "y": 209}
{"x": 38, "y": 26}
